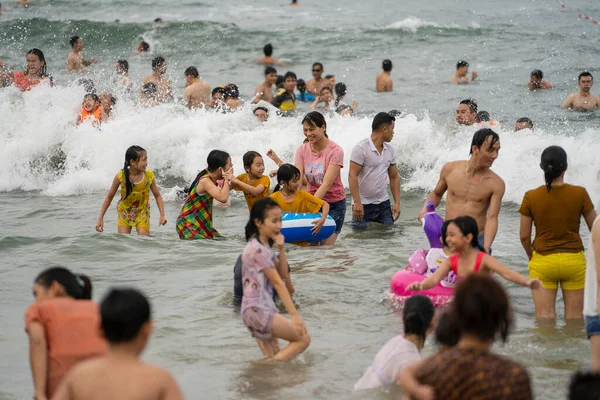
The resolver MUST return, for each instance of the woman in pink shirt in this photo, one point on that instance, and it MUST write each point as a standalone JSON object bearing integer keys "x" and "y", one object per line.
{"x": 320, "y": 161}
{"x": 63, "y": 327}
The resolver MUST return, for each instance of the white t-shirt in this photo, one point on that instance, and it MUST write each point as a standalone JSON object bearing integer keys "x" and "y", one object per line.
{"x": 395, "y": 355}
{"x": 590, "y": 292}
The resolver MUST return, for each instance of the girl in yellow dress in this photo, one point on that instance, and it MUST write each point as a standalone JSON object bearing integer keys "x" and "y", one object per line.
{"x": 136, "y": 183}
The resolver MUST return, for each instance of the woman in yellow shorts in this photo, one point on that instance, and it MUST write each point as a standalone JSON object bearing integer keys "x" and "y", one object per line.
{"x": 556, "y": 254}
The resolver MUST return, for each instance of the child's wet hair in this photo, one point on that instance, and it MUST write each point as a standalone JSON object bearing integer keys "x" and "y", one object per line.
{"x": 445, "y": 231}
{"x": 258, "y": 213}
{"x": 286, "y": 173}
{"x": 76, "y": 286}
{"x": 248, "y": 158}
{"x": 417, "y": 316}
{"x": 133, "y": 153}
{"x": 481, "y": 308}
{"x": 93, "y": 96}
{"x": 468, "y": 225}
{"x": 123, "y": 313}
{"x": 216, "y": 159}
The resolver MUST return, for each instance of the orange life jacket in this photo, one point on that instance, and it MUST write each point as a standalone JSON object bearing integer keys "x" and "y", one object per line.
{"x": 95, "y": 115}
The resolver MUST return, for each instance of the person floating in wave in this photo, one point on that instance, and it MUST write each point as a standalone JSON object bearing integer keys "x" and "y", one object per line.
{"x": 136, "y": 183}
{"x": 75, "y": 60}
{"x": 584, "y": 100}
{"x": 261, "y": 113}
{"x": 268, "y": 58}
{"x": 91, "y": 110}
{"x": 264, "y": 91}
{"x": 164, "y": 93}
{"x": 523, "y": 123}
{"x": 197, "y": 92}
{"x": 466, "y": 112}
{"x": 537, "y": 81}
{"x": 142, "y": 48}
{"x": 285, "y": 99}
{"x": 383, "y": 81}
{"x": 460, "y": 76}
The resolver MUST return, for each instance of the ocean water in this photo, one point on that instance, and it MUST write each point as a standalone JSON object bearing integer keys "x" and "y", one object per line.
{"x": 53, "y": 175}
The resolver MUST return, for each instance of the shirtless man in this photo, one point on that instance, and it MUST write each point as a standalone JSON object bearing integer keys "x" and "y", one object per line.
{"x": 267, "y": 59}
{"x": 75, "y": 60}
{"x": 197, "y": 92}
{"x": 163, "y": 84}
{"x": 120, "y": 374}
{"x": 537, "y": 81}
{"x": 264, "y": 91}
{"x": 585, "y": 99}
{"x": 460, "y": 76}
{"x": 473, "y": 188}
{"x": 315, "y": 85}
{"x": 466, "y": 112}
{"x": 383, "y": 82}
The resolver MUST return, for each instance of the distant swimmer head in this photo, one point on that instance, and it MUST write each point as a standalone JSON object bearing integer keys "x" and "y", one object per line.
{"x": 191, "y": 73}
{"x": 462, "y": 68}
{"x": 125, "y": 317}
{"x": 485, "y": 147}
{"x": 344, "y": 110}
{"x": 91, "y": 101}
{"x": 159, "y": 65}
{"x": 481, "y": 308}
{"x": 288, "y": 178}
{"x": 417, "y": 317}
{"x": 314, "y": 126}
{"x": 395, "y": 113}
{"x": 289, "y": 81}
{"x": 271, "y": 75}
{"x": 268, "y": 50}
{"x": 301, "y": 85}
{"x": 483, "y": 116}
{"x": 317, "y": 70}
{"x": 466, "y": 112}
{"x": 387, "y": 65}
{"x": 231, "y": 91}
{"x": 265, "y": 220}
{"x": 537, "y": 74}
{"x": 523, "y": 123}
{"x": 36, "y": 63}
{"x": 76, "y": 42}
{"x": 554, "y": 164}
{"x": 340, "y": 89}
{"x": 122, "y": 67}
{"x": 60, "y": 282}
{"x": 326, "y": 94}
{"x": 585, "y": 81}
{"x": 461, "y": 233}
{"x": 254, "y": 164}
{"x": 136, "y": 157}
{"x": 262, "y": 113}
{"x": 158, "y": 20}
{"x": 143, "y": 47}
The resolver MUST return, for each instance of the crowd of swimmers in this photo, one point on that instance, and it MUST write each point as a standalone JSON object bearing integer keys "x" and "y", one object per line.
{"x": 77, "y": 366}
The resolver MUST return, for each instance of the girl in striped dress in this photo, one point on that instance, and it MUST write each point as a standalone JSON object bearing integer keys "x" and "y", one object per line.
{"x": 195, "y": 219}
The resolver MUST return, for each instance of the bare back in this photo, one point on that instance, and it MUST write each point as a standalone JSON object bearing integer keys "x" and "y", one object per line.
{"x": 383, "y": 82}
{"x": 117, "y": 379}
{"x": 197, "y": 95}
{"x": 472, "y": 196}
{"x": 577, "y": 101}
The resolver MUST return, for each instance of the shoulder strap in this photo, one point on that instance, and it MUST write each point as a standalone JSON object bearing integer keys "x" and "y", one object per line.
{"x": 478, "y": 261}
{"x": 454, "y": 262}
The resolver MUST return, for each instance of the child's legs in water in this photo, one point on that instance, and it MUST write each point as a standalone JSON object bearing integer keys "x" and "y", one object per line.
{"x": 143, "y": 227}
{"x": 123, "y": 229}
{"x": 269, "y": 348}
{"x": 299, "y": 339}
{"x": 142, "y": 231}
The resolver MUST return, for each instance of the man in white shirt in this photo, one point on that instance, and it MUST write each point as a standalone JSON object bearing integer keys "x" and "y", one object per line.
{"x": 372, "y": 164}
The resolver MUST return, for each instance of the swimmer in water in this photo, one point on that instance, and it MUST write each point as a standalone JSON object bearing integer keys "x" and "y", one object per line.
{"x": 123, "y": 80}
{"x": 383, "y": 81}
{"x": 584, "y": 100}
{"x": 294, "y": 3}
{"x": 107, "y": 101}
{"x": 264, "y": 91}
{"x": 143, "y": 47}
{"x": 460, "y": 76}
{"x": 197, "y": 92}
{"x": 303, "y": 96}
{"x": 268, "y": 59}
{"x": 75, "y": 60}
{"x": 261, "y": 113}
{"x": 149, "y": 97}
{"x": 91, "y": 109}
{"x": 523, "y": 123}
{"x": 286, "y": 98}
{"x": 537, "y": 81}
{"x": 466, "y": 112}
{"x": 315, "y": 85}
{"x": 217, "y": 100}
{"x": 232, "y": 97}
{"x": 324, "y": 100}
{"x": 164, "y": 92}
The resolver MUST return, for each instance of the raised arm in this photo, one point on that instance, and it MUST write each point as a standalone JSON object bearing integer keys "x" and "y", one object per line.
{"x": 491, "y": 225}
{"x": 438, "y": 192}
{"x": 219, "y": 194}
{"x": 525, "y": 234}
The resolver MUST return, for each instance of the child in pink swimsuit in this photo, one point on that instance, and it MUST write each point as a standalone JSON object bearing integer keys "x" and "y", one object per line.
{"x": 470, "y": 258}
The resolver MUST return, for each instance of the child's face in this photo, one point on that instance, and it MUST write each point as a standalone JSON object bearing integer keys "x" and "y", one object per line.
{"x": 257, "y": 168}
{"x": 326, "y": 95}
{"x": 89, "y": 103}
{"x": 142, "y": 162}
{"x": 228, "y": 166}
{"x": 271, "y": 226}
{"x": 455, "y": 238}
{"x": 294, "y": 185}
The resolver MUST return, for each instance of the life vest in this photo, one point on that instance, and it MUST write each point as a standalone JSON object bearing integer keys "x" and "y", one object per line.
{"x": 95, "y": 115}
{"x": 23, "y": 83}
